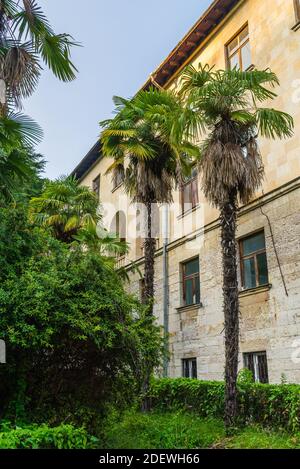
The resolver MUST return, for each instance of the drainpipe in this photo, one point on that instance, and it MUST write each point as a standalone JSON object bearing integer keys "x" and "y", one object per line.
{"x": 165, "y": 233}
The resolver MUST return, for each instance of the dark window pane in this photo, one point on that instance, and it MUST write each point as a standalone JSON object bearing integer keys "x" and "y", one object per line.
{"x": 189, "y": 300}
{"x": 192, "y": 267}
{"x": 197, "y": 290}
{"x": 262, "y": 268}
{"x": 254, "y": 243}
{"x": 249, "y": 363}
{"x": 262, "y": 368}
{"x": 189, "y": 368}
{"x": 249, "y": 273}
{"x": 194, "y": 368}
{"x": 96, "y": 186}
{"x": 257, "y": 363}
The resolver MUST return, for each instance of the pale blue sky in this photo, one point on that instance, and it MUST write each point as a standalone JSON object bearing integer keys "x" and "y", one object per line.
{"x": 123, "y": 42}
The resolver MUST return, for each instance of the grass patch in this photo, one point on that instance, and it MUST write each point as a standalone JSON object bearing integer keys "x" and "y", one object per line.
{"x": 184, "y": 430}
{"x": 260, "y": 438}
{"x": 162, "y": 431}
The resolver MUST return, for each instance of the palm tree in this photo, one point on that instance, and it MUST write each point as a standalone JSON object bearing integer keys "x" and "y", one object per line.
{"x": 19, "y": 165}
{"x": 66, "y": 208}
{"x": 149, "y": 138}
{"x": 27, "y": 40}
{"x": 229, "y": 105}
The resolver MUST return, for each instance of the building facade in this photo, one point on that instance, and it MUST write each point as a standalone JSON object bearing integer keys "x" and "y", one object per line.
{"x": 188, "y": 282}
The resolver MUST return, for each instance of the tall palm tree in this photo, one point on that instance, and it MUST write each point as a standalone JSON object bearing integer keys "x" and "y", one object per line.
{"x": 229, "y": 105}
{"x": 26, "y": 41}
{"x": 149, "y": 138}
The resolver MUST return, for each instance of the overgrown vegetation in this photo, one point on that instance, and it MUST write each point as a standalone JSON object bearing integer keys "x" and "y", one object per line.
{"x": 75, "y": 340}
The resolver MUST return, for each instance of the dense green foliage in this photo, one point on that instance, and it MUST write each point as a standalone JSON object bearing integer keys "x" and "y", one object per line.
{"x": 270, "y": 405}
{"x": 181, "y": 429}
{"x": 44, "y": 437}
{"x": 74, "y": 338}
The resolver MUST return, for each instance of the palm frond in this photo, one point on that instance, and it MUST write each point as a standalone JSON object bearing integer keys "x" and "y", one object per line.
{"x": 273, "y": 123}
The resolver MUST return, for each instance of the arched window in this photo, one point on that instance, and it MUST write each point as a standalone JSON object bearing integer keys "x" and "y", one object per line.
{"x": 118, "y": 225}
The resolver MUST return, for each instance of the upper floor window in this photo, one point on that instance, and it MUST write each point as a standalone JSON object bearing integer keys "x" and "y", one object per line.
{"x": 189, "y": 368}
{"x": 257, "y": 363}
{"x": 297, "y": 9}
{"x": 118, "y": 225}
{"x": 96, "y": 186}
{"x": 254, "y": 266}
{"x": 189, "y": 192}
{"x": 239, "y": 51}
{"x": 191, "y": 282}
{"x": 118, "y": 176}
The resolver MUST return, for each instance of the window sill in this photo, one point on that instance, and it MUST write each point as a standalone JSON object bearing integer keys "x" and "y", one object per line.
{"x": 182, "y": 309}
{"x": 296, "y": 26}
{"x": 191, "y": 210}
{"x": 116, "y": 188}
{"x": 254, "y": 291}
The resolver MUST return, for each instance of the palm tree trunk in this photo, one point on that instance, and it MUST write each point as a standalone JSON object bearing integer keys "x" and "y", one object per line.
{"x": 231, "y": 306}
{"x": 149, "y": 246}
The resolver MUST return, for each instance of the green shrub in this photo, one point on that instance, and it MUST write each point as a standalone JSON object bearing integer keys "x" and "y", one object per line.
{"x": 44, "y": 437}
{"x": 267, "y": 404}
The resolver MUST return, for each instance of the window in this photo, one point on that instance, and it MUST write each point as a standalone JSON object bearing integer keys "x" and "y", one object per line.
{"x": 189, "y": 192}
{"x": 254, "y": 266}
{"x": 96, "y": 186}
{"x": 191, "y": 282}
{"x": 118, "y": 176}
{"x": 258, "y": 364}
{"x": 239, "y": 51}
{"x": 189, "y": 368}
{"x": 118, "y": 226}
{"x": 297, "y": 9}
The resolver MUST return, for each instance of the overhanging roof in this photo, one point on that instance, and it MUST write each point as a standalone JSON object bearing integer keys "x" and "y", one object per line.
{"x": 212, "y": 17}
{"x": 88, "y": 161}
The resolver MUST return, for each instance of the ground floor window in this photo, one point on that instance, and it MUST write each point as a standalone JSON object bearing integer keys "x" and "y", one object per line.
{"x": 258, "y": 364}
{"x": 189, "y": 368}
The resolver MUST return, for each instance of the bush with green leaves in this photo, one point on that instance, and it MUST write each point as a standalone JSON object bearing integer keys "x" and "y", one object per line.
{"x": 272, "y": 405}
{"x": 45, "y": 437}
{"x": 75, "y": 339}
